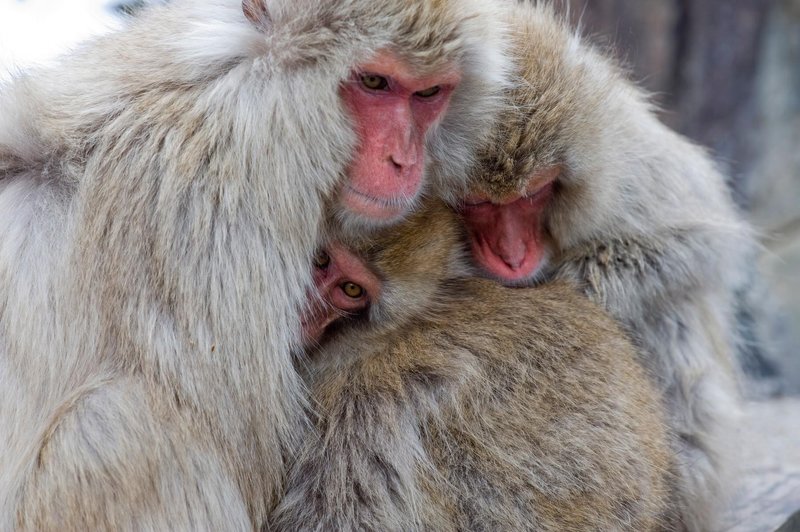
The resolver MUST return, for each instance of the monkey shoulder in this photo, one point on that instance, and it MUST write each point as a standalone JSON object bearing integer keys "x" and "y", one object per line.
{"x": 675, "y": 256}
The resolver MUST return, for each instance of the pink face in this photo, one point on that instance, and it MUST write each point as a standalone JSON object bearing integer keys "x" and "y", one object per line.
{"x": 345, "y": 286}
{"x": 507, "y": 234}
{"x": 393, "y": 110}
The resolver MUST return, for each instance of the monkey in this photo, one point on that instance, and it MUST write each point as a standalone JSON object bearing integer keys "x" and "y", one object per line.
{"x": 448, "y": 402}
{"x": 162, "y": 192}
{"x": 582, "y": 183}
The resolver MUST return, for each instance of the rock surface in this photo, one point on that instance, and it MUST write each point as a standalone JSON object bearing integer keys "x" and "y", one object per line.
{"x": 768, "y": 485}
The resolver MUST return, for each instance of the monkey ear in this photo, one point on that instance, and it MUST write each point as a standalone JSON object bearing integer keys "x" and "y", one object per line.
{"x": 256, "y": 12}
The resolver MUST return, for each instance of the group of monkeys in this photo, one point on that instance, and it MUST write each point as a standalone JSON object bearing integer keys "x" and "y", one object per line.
{"x": 359, "y": 265}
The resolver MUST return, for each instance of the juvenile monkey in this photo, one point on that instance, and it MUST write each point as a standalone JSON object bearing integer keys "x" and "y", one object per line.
{"x": 161, "y": 193}
{"x": 582, "y": 183}
{"x": 448, "y": 403}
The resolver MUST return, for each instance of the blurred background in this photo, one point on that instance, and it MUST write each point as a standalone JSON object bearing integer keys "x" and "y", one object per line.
{"x": 726, "y": 73}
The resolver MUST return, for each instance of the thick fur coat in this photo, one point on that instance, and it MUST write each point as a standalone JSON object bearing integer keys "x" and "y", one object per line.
{"x": 643, "y": 222}
{"x": 162, "y": 191}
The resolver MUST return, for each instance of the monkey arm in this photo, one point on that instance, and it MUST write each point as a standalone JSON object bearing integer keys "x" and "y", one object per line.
{"x": 638, "y": 274}
{"x": 113, "y": 456}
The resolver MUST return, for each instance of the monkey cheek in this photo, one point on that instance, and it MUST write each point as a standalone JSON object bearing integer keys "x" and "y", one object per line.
{"x": 314, "y": 323}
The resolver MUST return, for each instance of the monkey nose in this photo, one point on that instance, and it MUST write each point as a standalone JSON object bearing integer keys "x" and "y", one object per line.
{"x": 403, "y": 166}
{"x": 404, "y": 157}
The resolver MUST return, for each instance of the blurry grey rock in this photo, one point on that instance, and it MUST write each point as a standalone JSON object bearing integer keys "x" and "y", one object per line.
{"x": 781, "y": 266}
{"x": 774, "y": 185}
{"x": 792, "y": 524}
{"x": 768, "y": 484}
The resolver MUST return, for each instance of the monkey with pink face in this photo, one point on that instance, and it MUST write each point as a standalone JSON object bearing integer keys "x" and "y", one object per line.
{"x": 162, "y": 193}
{"x": 582, "y": 183}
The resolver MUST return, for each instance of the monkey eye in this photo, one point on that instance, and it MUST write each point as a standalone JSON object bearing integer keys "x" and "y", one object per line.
{"x": 352, "y": 290}
{"x": 322, "y": 260}
{"x": 374, "y": 82}
{"x": 429, "y": 92}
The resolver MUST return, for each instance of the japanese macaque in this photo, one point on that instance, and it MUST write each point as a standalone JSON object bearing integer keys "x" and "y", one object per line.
{"x": 582, "y": 183}
{"x": 449, "y": 403}
{"x": 162, "y": 193}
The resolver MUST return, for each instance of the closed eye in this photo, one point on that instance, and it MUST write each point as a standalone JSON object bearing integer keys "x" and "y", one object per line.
{"x": 429, "y": 92}
{"x": 475, "y": 203}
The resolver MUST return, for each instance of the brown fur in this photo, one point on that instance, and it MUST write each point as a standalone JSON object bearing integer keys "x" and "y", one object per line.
{"x": 642, "y": 221}
{"x": 476, "y": 407}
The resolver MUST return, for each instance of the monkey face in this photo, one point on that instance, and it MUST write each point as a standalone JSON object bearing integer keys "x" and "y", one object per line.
{"x": 393, "y": 109}
{"x": 345, "y": 285}
{"x": 507, "y": 232}
{"x": 388, "y": 277}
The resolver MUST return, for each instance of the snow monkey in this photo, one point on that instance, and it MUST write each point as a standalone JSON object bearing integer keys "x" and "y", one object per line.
{"x": 449, "y": 403}
{"x": 581, "y": 182}
{"x": 161, "y": 199}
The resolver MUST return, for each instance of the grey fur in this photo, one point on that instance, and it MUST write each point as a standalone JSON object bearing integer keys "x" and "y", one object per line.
{"x": 162, "y": 191}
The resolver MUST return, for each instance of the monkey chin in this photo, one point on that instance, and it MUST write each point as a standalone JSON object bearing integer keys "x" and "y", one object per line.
{"x": 522, "y": 279}
{"x": 492, "y": 266}
{"x": 361, "y": 212}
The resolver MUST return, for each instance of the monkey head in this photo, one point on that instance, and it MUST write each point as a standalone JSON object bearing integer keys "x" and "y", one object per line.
{"x": 388, "y": 278}
{"x": 403, "y": 91}
{"x": 533, "y": 189}
{"x": 513, "y": 186}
